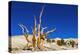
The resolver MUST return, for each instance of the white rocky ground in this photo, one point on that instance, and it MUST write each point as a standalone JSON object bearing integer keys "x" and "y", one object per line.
{"x": 19, "y": 42}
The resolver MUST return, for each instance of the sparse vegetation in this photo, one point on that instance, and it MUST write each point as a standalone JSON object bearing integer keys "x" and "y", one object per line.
{"x": 53, "y": 40}
{"x": 59, "y": 42}
{"x": 62, "y": 42}
{"x": 72, "y": 43}
{"x": 48, "y": 40}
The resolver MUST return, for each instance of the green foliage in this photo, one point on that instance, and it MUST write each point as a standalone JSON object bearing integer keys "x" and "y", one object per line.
{"x": 48, "y": 40}
{"x": 62, "y": 42}
{"x": 72, "y": 43}
{"x": 59, "y": 42}
{"x": 53, "y": 40}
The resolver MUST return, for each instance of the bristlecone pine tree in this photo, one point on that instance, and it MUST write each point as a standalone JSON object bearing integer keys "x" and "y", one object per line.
{"x": 36, "y": 40}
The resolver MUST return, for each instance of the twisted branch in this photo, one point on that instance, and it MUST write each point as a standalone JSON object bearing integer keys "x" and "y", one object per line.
{"x": 25, "y": 34}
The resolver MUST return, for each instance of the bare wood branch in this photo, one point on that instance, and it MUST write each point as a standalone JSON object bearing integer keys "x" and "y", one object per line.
{"x": 25, "y": 35}
{"x": 41, "y": 14}
{"x": 42, "y": 30}
{"x": 51, "y": 31}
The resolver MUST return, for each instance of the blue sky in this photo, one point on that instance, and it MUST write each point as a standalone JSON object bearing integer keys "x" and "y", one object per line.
{"x": 60, "y": 16}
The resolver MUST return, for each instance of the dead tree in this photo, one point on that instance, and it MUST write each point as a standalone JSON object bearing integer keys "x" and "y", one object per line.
{"x": 36, "y": 41}
{"x": 34, "y": 34}
{"x": 39, "y": 26}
